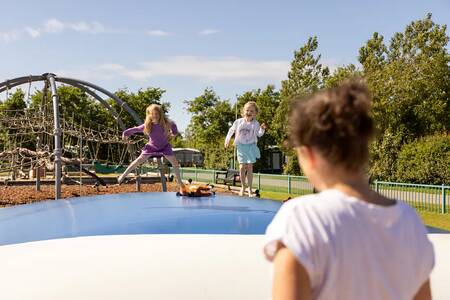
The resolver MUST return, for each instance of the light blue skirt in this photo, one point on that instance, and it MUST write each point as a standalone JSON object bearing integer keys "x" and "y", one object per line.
{"x": 247, "y": 153}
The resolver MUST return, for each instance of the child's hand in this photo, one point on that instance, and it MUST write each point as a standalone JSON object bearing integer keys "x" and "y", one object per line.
{"x": 264, "y": 126}
{"x": 124, "y": 137}
{"x": 226, "y": 145}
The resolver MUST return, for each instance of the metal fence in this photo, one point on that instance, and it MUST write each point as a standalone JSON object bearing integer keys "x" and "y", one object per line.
{"x": 295, "y": 185}
{"x": 433, "y": 198}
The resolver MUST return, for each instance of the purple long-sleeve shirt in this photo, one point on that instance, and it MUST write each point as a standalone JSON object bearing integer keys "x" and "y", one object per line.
{"x": 158, "y": 143}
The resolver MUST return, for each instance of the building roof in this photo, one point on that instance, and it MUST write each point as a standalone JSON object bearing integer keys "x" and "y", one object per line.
{"x": 186, "y": 149}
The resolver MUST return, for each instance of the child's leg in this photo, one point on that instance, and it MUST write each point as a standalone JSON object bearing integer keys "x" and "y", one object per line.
{"x": 136, "y": 163}
{"x": 250, "y": 178}
{"x": 176, "y": 168}
{"x": 242, "y": 171}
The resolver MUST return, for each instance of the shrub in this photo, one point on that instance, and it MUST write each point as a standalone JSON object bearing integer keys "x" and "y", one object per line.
{"x": 425, "y": 160}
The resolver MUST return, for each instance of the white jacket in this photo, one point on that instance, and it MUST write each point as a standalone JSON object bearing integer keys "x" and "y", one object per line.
{"x": 246, "y": 132}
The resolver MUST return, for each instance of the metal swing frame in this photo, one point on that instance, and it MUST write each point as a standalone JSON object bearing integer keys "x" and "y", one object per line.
{"x": 50, "y": 80}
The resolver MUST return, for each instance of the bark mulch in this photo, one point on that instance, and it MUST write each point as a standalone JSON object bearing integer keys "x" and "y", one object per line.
{"x": 16, "y": 195}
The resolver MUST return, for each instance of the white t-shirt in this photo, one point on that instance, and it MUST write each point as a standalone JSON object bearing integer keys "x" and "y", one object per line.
{"x": 246, "y": 132}
{"x": 352, "y": 249}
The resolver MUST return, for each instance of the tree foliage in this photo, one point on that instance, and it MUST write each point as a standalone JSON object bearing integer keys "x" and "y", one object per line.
{"x": 15, "y": 102}
{"x": 425, "y": 160}
{"x": 305, "y": 76}
{"x": 138, "y": 102}
{"x": 410, "y": 82}
{"x": 210, "y": 121}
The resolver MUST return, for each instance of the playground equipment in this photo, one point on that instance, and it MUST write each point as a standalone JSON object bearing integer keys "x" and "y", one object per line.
{"x": 42, "y": 125}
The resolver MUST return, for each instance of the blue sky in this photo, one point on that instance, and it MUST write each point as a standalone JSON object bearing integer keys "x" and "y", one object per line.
{"x": 186, "y": 46}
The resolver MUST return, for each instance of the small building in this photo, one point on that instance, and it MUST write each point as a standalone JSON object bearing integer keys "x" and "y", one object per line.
{"x": 189, "y": 157}
{"x": 273, "y": 160}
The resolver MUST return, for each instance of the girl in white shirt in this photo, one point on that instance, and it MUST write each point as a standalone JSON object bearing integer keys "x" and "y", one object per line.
{"x": 346, "y": 242}
{"x": 246, "y": 130}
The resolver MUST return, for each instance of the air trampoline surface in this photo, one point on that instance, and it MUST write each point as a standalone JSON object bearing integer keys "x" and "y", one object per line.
{"x": 135, "y": 213}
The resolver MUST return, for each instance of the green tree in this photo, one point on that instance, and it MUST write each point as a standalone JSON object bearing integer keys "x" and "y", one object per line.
{"x": 410, "y": 82}
{"x": 138, "y": 102}
{"x": 210, "y": 121}
{"x": 305, "y": 76}
{"x": 342, "y": 73}
{"x": 425, "y": 160}
{"x": 178, "y": 142}
{"x": 80, "y": 108}
{"x": 14, "y": 104}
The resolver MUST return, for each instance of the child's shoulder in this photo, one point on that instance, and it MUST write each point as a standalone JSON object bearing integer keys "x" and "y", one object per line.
{"x": 238, "y": 121}
{"x": 313, "y": 202}
{"x": 320, "y": 199}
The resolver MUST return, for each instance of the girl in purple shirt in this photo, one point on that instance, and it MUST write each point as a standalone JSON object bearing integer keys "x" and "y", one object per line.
{"x": 159, "y": 130}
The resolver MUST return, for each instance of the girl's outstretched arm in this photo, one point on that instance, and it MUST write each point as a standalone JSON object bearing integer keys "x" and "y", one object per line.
{"x": 174, "y": 128}
{"x": 261, "y": 129}
{"x": 231, "y": 131}
{"x": 130, "y": 131}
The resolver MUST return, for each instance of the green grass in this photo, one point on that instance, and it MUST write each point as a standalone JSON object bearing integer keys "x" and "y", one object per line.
{"x": 276, "y": 195}
{"x": 433, "y": 219}
{"x": 441, "y": 221}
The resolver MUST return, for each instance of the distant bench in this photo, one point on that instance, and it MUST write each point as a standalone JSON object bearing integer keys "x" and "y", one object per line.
{"x": 229, "y": 177}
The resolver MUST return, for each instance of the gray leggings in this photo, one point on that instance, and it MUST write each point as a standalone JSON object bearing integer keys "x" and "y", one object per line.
{"x": 139, "y": 161}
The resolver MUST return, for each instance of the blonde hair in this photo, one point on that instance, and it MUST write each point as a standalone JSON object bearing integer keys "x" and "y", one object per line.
{"x": 163, "y": 121}
{"x": 249, "y": 103}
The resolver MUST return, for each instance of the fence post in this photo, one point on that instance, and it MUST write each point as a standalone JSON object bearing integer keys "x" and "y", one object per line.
{"x": 214, "y": 176}
{"x": 259, "y": 181}
{"x": 181, "y": 173}
{"x": 376, "y": 186}
{"x": 289, "y": 183}
{"x": 196, "y": 174}
{"x": 443, "y": 199}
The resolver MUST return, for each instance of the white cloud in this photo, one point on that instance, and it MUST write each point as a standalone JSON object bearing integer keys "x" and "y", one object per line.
{"x": 88, "y": 73}
{"x": 207, "y": 69}
{"x": 54, "y": 26}
{"x": 211, "y": 69}
{"x": 34, "y": 33}
{"x": 9, "y": 36}
{"x": 88, "y": 27}
{"x": 208, "y": 31}
{"x": 158, "y": 32}
{"x": 111, "y": 67}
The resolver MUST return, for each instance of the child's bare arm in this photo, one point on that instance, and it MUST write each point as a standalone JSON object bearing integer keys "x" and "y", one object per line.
{"x": 424, "y": 292}
{"x": 261, "y": 129}
{"x": 291, "y": 281}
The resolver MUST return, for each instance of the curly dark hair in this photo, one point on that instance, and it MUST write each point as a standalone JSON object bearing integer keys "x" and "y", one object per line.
{"x": 336, "y": 122}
